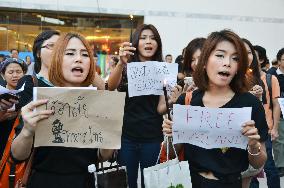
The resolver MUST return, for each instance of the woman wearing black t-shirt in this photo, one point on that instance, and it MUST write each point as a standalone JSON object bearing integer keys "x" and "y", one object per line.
{"x": 72, "y": 65}
{"x": 142, "y": 130}
{"x": 220, "y": 78}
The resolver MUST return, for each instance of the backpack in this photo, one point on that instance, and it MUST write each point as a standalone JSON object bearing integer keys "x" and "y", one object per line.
{"x": 269, "y": 85}
{"x": 10, "y": 171}
{"x": 163, "y": 156}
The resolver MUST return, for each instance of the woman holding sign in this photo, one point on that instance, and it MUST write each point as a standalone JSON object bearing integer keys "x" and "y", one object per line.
{"x": 142, "y": 131}
{"x": 72, "y": 65}
{"x": 220, "y": 78}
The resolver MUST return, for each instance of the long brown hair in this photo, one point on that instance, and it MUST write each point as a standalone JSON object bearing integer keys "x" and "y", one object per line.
{"x": 55, "y": 72}
{"x": 158, "y": 56}
{"x": 238, "y": 83}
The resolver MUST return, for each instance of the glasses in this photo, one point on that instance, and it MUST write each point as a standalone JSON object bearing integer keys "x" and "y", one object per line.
{"x": 48, "y": 46}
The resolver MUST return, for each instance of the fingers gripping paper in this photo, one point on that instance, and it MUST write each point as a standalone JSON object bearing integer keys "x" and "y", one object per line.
{"x": 83, "y": 118}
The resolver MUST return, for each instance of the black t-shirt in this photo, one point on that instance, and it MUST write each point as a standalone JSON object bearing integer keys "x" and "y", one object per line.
{"x": 234, "y": 160}
{"x": 57, "y": 166}
{"x": 141, "y": 121}
{"x": 26, "y": 95}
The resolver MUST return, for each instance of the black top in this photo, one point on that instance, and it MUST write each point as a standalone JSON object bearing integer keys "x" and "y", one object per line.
{"x": 234, "y": 160}
{"x": 141, "y": 121}
{"x": 57, "y": 167}
{"x": 280, "y": 78}
{"x": 26, "y": 96}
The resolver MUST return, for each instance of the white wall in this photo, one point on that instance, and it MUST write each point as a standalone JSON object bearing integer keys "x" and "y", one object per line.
{"x": 261, "y": 21}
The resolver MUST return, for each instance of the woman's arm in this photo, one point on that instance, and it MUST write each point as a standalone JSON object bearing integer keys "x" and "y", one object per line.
{"x": 99, "y": 82}
{"x": 124, "y": 53}
{"x": 115, "y": 76}
{"x": 104, "y": 154}
{"x": 23, "y": 143}
{"x": 175, "y": 93}
{"x": 256, "y": 149}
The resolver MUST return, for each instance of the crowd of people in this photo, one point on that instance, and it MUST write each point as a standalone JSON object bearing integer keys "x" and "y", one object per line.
{"x": 228, "y": 72}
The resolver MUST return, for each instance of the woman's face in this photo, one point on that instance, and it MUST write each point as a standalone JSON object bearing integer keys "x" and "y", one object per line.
{"x": 13, "y": 74}
{"x": 222, "y": 64}
{"x": 28, "y": 60}
{"x": 46, "y": 50}
{"x": 195, "y": 58}
{"x": 147, "y": 45}
{"x": 250, "y": 56}
{"x": 76, "y": 63}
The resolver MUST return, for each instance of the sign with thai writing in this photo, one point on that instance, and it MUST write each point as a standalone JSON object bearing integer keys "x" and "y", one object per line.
{"x": 83, "y": 118}
{"x": 147, "y": 78}
{"x": 210, "y": 127}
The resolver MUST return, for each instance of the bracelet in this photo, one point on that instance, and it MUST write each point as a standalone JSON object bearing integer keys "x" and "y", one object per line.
{"x": 254, "y": 154}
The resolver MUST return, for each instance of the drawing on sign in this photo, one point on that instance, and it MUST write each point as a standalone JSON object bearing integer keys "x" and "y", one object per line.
{"x": 56, "y": 130}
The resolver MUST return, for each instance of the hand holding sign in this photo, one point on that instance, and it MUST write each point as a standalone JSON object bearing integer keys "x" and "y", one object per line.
{"x": 32, "y": 117}
{"x": 210, "y": 127}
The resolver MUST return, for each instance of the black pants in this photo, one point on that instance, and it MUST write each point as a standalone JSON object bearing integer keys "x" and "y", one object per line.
{"x": 199, "y": 181}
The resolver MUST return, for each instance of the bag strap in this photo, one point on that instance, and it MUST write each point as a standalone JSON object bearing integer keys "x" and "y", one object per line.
{"x": 6, "y": 153}
{"x": 35, "y": 80}
{"x": 188, "y": 97}
{"x": 28, "y": 170}
{"x": 269, "y": 85}
{"x": 167, "y": 140}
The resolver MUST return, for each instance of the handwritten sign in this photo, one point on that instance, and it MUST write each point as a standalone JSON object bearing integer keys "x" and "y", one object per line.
{"x": 210, "y": 127}
{"x": 83, "y": 118}
{"x": 147, "y": 78}
{"x": 281, "y": 102}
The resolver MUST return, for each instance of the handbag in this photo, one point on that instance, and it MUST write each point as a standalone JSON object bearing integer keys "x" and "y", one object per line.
{"x": 170, "y": 174}
{"x": 112, "y": 176}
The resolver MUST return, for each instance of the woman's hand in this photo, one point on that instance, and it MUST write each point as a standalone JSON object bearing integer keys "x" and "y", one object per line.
{"x": 167, "y": 127}
{"x": 249, "y": 130}
{"x": 9, "y": 114}
{"x": 31, "y": 117}
{"x": 125, "y": 51}
{"x": 175, "y": 93}
{"x": 188, "y": 88}
{"x": 257, "y": 91}
{"x": 5, "y": 105}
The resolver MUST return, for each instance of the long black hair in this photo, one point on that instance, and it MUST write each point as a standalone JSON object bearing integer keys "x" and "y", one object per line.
{"x": 45, "y": 35}
{"x": 158, "y": 56}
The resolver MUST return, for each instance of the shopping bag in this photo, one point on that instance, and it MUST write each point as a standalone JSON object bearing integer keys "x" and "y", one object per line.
{"x": 113, "y": 176}
{"x": 170, "y": 174}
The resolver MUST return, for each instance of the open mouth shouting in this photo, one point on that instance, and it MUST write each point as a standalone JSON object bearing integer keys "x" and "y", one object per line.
{"x": 77, "y": 71}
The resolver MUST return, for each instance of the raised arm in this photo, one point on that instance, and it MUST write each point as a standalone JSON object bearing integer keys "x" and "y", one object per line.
{"x": 124, "y": 53}
{"x": 23, "y": 143}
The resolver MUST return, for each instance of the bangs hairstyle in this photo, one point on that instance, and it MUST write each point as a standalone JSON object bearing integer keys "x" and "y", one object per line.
{"x": 55, "y": 72}
{"x": 158, "y": 56}
{"x": 238, "y": 83}
{"x": 191, "y": 48}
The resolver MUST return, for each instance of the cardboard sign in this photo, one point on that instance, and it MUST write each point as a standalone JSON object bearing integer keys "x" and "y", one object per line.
{"x": 83, "y": 118}
{"x": 210, "y": 127}
{"x": 147, "y": 78}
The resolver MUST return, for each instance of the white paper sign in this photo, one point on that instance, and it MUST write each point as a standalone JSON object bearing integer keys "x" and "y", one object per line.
{"x": 281, "y": 102}
{"x": 5, "y": 90}
{"x": 147, "y": 78}
{"x": 210, "y": 127}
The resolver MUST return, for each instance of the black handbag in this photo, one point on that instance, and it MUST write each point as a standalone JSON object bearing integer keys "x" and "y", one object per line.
{"x": 113, "y": 176}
